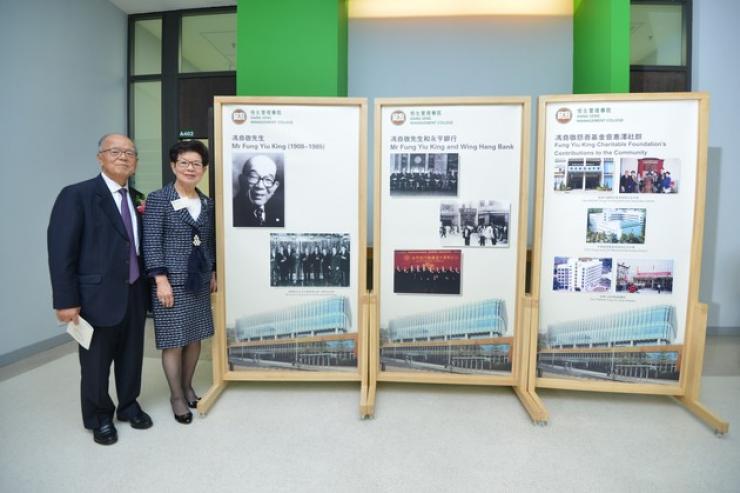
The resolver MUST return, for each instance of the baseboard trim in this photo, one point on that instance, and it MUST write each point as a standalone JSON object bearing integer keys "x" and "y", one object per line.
{"x": 723, "y": 331}
{"x": 35, "y": 348}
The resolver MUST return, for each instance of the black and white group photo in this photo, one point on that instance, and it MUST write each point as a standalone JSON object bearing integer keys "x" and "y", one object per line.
{"x": 424, "y": 174}
{"x": 259, "y": 190}
{"x": 309, "y": 260}
{"x": 479, "y": 223}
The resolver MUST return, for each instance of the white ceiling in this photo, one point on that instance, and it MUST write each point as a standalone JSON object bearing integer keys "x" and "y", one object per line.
{"x": 144, "y": 6}
{"x": 383, "y": 8}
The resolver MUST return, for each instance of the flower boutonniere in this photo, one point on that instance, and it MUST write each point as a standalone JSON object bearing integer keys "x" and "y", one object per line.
{"x": 140, "y": 202}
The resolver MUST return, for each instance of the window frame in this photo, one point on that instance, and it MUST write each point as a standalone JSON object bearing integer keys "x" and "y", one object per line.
{"x": 169, "y": 75}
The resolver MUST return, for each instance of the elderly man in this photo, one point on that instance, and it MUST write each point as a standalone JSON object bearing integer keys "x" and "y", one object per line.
{"x": 94, "y": 239}
{"x": 256, "y": 204}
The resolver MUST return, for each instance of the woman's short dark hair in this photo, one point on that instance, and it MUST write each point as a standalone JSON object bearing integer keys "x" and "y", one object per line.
{"x": 184, "y": 146}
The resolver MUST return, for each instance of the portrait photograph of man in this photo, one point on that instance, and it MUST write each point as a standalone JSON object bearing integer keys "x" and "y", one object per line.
{"x": 259, "y": 190}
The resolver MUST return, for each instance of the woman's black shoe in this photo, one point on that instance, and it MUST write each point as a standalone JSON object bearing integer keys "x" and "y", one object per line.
{"x": 181, "y": 418}
{"x": 185, "y": 419}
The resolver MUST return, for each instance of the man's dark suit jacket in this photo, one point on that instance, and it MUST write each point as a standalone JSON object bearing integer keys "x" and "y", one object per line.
{"x": 89, "y": 253}
{"x": 244, "y": 212}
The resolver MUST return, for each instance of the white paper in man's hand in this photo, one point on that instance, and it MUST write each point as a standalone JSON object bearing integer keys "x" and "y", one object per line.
{"x": 81, "y": 332}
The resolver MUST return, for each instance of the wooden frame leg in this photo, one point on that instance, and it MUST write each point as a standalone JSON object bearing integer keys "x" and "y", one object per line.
{"x": 363, "y": 353}
{"x": 367, "y": 409}
{"x": 210, "y": 397}
{"x": 533, "y": 405}
{"x": 698, "y": 409}
{"x": 218, "y": 353}
{"x": 694, "y": 368}
{"x": 526, "y": 390}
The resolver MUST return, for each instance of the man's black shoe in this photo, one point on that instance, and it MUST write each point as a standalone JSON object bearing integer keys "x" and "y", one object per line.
{"x": 105, "y": 434}
{"x": 141, "y": 421}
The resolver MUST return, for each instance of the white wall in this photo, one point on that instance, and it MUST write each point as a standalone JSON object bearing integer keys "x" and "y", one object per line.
{"x": 484, "y": 56}
{"x": 716, "y": 70}
{"x": 63, "y": 84}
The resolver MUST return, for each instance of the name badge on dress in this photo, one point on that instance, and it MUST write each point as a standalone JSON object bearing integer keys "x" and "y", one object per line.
{"x": 179, "y": 204}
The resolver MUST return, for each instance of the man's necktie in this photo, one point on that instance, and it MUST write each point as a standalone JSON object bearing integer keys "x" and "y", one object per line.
{"x": 259, "y": 214}
{"x": 133, "y": 261}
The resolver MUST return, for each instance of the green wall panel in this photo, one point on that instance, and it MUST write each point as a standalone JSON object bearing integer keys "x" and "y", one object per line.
{"x": 291, "y": 48}
{"x": 601, "y": 47}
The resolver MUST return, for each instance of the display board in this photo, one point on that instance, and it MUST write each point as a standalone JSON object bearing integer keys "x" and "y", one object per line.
{"x": 450, "y": 237}
{"x": 291, "y": 219}
{"x": 618, "y": 231}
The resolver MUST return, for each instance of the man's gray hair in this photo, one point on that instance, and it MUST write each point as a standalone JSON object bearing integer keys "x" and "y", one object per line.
{"x": 110, "y": 134}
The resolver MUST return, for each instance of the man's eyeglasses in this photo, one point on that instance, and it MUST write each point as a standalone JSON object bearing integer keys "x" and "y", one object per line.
{"x": 116, "y": 153}
{"x": 254, "y": 178}
{"x": 185, "y": 164}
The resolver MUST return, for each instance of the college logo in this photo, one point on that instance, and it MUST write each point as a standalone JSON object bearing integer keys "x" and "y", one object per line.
{"x": 239, "y": 116}
{"x": 398, "y": 117}
{"x": 563, "y": 115}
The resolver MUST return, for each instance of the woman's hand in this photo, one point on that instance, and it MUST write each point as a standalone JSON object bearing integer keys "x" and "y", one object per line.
{"x": 214, "y": 284}
{"x": 164, "y": 291}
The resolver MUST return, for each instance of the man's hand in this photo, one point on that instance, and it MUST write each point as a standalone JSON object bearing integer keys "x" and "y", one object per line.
{"x": 214, "y": 284}
{"x": 67, "y": 315}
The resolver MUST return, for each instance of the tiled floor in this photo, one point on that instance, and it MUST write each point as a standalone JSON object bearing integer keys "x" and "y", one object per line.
{"x": 308, "y": 437}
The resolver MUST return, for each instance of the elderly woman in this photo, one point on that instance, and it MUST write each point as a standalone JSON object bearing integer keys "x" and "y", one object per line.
{"x": 179, "y": 255}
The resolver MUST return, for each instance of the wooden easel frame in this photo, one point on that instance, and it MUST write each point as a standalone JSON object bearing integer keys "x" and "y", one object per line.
{"x": 521, "y": 344}
{"x": 221, "y": 374}
{"x": 687, "y": 390}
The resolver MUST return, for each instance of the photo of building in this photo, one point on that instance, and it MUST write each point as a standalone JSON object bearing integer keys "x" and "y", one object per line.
{"x": 587, "y": 175}
{"x": 582, "y": 274}
{"x": 616, "y": 226}
{"x": 309, "y": 336}
{"x": 475, "y": 223}
{"x": 468, "y": 338}
{"x": 641, "y": 276}
{"x": 631, "y": 346}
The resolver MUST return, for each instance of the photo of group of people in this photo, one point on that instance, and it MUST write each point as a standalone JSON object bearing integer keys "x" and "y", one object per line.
{"x": 615, "y": 225}
{"x": 649, "y": 175}
{"x": 424, "y": 174}
{"x": 427, "y": 271}
{"x": 480, "y": 223}
{"x": 603, "y": 275}
{"x": 309, "y": 260}
{"x": 258, "y": 181}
